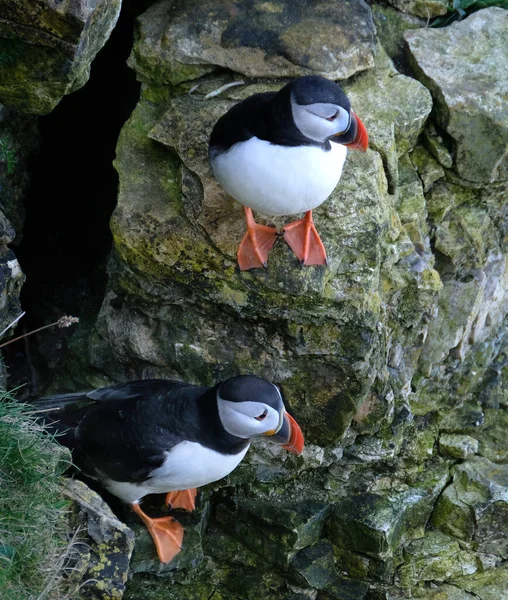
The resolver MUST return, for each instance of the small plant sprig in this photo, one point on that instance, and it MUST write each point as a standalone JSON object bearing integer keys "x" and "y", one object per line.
{"x": 9, "y": 156}
{"x": 65, "y": 321}
{"x": 463, "y": 8}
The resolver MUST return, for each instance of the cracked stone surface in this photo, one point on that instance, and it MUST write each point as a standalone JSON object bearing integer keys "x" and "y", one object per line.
{"x": 47, "y": 47}
{"x": 468, "y": 83}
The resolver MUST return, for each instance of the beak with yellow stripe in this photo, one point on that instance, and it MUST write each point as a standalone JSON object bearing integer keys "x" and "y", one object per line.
{"x": 250, "y": 406}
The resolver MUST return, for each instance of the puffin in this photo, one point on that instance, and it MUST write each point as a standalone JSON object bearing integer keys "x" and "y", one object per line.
{"x": 163, "y": 436}
{"x": 282, "y": 153}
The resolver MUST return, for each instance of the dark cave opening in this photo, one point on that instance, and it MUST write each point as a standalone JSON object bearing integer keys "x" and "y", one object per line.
{"x": 73, "y": 192}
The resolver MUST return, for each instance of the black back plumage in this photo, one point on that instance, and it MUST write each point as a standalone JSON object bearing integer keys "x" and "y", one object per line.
{"x": 265, "y": 116}
{"x": 123, "y": 431}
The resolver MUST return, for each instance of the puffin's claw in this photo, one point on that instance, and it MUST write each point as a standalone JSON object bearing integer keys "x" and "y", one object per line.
{"x": 166, "y": 532}
{"x": 303, "y": 239}
{"x": 185, "y": 499}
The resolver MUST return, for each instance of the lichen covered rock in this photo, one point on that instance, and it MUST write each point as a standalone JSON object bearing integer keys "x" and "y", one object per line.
{"x": 178, "y": 226}
{"x": 474, "y": 507}
{"x": 377, "y": 524}
{"x": 282, "y": 527}
{"x": 458, "y": 446}
{"x": 436, "y": 557}
{"x": 390, "y": 357}
{"x": 467, "y": 82}
{"x": 105, "y": 544}
{"x": 183, "y": 40}
{"x": 46, "y": 49}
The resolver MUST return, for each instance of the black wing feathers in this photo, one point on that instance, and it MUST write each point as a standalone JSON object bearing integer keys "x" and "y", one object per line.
{"x": 123, "y": 431}
{"x": 126, "y": 439}
{"x": 247, "y": 119}
{"x": 267, "y": 116}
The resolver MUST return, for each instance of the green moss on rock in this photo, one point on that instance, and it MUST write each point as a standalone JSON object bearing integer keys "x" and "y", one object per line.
{"x": 435, "y": 557}
{"x": 457, "y": 446}
{"x": 271, "y": 39}
{"x": 475, "y": 505}
{"x": 375, "y": 524}
{"x": 46, "y": 50}
{"x": 390, "y": 26}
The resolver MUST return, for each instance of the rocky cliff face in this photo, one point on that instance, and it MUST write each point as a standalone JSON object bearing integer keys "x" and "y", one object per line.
{"x": 18, "y": 141}
{"x": 47, "y": 46}
{"x": 392, "y": 357}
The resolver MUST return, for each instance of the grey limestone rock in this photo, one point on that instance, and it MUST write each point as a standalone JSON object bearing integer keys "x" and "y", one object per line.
{"x": 105, "y": 544}
{"x": 179, "y": 41}
{"x": 47, "y": 46}
{"x": 464, "y": 67}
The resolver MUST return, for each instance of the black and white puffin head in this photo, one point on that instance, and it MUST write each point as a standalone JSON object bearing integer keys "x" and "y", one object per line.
{"x": 321, "y": 111}
{"x": 250, "y": 406}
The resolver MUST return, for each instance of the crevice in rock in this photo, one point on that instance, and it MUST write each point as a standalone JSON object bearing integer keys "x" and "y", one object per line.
{"x": 73, "y": 192}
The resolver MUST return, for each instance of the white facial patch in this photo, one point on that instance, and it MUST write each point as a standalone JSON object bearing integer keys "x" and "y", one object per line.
{"x": 245, "y": 419}
{"x": 313, "y": 119}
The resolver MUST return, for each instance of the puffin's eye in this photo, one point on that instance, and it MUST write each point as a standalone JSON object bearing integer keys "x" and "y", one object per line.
{"x": 262, "y": 416}
{"x": 333, "y": 117}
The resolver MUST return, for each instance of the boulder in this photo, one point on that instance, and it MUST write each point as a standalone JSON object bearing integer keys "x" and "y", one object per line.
{"x": 493, "y": 443}
{"x": 457, "y": 446}
{"x": 47, "y": 47}
{"x": 176, "y": 233}
{"x": 489, "y": 585}
{"x": 275, "y": 528}
{"x": 104, "y": 544}
{"x": 474, "y": 507}
{"x": 437, "y": 558}
{"x": 180, "y": 41}
{"x": 467, "y": 81}
{"x": 376, "y": 524}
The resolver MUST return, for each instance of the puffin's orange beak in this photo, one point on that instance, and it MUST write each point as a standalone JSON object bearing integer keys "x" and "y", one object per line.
{"x": 289, "y": 436}
{"x": 357, "y": 135}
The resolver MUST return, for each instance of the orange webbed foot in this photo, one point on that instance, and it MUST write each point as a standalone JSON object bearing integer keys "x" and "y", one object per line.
{"x": 166, "y": 532}
{"x": 303, "y": 239}
{"x": 256, "y": 243}
{"x": 185, "y": 499}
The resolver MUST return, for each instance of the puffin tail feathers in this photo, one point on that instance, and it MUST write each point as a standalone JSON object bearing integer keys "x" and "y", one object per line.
{"x": 60, "y": 415}
{"x": 54, "y": 405}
